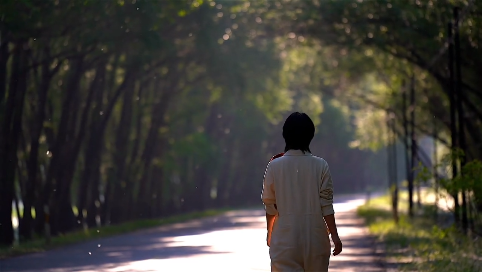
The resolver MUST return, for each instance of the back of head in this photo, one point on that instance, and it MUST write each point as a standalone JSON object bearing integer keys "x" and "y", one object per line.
{"x": 298, "y": 131}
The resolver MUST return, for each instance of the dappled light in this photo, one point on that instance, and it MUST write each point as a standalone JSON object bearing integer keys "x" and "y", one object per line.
{"x": 237, "y": 240}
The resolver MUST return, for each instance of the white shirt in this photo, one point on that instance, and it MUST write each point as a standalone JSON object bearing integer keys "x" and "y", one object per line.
{"x": 298, "y": 183}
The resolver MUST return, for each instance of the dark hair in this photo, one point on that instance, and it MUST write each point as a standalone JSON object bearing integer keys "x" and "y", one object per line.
{"x": 298, "y": 131}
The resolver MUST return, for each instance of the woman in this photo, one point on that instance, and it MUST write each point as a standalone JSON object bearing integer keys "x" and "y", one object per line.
{"x": 298, "y": 198}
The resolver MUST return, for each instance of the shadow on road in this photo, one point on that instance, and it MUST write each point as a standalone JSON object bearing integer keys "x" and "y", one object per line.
{"x": 235, "y": 239}
{"x": 159, "y": 243}
{"x": 358, "y": 246}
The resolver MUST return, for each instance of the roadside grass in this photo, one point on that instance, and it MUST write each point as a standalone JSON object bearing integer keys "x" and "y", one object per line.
{"x": 39, "y": 244}
{"x": 421, "y": 244}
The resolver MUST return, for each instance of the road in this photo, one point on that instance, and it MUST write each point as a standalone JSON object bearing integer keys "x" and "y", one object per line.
{"x": 234, "y": 241}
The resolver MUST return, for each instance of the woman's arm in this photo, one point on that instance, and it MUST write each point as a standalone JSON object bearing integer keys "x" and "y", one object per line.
{"x": 331, "y": 224}
{"x": 269, "y": 222}
{"x": 326, "y": 202}
{"x": 268, "y": 197}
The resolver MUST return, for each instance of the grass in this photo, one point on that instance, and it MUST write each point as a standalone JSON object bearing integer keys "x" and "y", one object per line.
{"x": 421, "y": 244}
{"x": 39, "y": 244}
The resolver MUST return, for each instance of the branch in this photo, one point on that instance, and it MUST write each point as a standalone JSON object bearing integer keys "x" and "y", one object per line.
{"x": 381, "y": 107}
{"x": 127, "y": 79}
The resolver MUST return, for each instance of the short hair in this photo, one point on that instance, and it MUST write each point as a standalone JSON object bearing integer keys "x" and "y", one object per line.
{"x": 298, "y": 131}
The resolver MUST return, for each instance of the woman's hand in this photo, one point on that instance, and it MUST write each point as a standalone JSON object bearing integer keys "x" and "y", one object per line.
{"x": 338, "y": 245}
{"x": 270, "y": 222}
{"x": 331, "y": 224}
{"x": 268, "y": 238}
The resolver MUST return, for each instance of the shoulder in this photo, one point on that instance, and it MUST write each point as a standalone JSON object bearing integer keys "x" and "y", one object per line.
{"x": 322, "y": 161}
{"x": 275, "y": 161}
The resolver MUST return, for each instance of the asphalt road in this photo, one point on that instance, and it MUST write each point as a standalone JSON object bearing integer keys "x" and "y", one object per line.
{"x": 234, "y": 241}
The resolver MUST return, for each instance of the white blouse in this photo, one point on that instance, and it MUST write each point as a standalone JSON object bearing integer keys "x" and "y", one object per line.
{"x": 298, "y": 183}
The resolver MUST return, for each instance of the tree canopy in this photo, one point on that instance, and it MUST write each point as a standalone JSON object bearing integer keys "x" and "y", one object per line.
{"x": 120, "y": 110}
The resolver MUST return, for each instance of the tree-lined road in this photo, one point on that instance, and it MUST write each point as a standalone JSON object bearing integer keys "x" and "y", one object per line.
{"x": 234, "y": 241}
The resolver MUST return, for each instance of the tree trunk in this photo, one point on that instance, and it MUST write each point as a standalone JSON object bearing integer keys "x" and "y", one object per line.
{"x": 223, "y": 181}
{"x": 157, "y": 186}
{"x": 57, "y": 189}
{"x": 123, "y": 195}
{"x": 413, "y": 147}
{"x": 11, "y": 127}
{"x": 4, "y": 56}
{"x": 120, "y": 156}
{"x": 393, "y": 171}
{"x": 203, "y": 178}
{"x": 32, "y": 162}
{"x": 144, "y": 196}
{"x": 460, "y": 114}
{"x": 453, "y": 124}
{"x": 435, "y": 167}
{"x": 78, "y": 138}
{"x": 93, "y": 204}
{"x": 92, "y": 149}
{"x": 406, "y": 139}
{"x": 94, "y": 207}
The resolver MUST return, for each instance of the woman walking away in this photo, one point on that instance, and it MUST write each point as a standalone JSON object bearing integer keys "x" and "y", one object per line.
{"x": 298, "y": 198}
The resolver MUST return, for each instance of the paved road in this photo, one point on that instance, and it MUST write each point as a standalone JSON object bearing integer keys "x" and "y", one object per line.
{"x": 234, "y": 241}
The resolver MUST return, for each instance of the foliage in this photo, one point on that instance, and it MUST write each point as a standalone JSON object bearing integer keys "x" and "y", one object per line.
{"x": 419, "y": 244}
{"x": 132, "y": 110}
